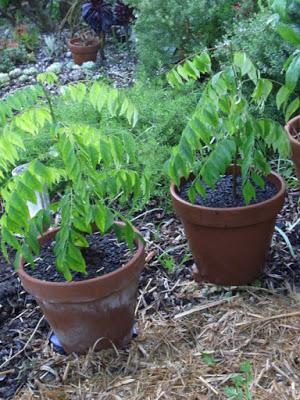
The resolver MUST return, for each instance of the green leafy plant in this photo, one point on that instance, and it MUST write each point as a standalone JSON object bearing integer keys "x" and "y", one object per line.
{"x": 240, "y": 390}
{"x": 52, "y": 46}
{"x": 168, "y": 31}
{"x": 223, "y": 129}
{"x": 10, "y": 57}
{"x": 288, "y": 26}
{"x": 208, "y": 359}
{"x": 258, "y": 38}
{"x": 28, "y": 36}
{"x": 97, "y": 172}
{"x": 167, "y": 261}
{"x": 39, "y": 13}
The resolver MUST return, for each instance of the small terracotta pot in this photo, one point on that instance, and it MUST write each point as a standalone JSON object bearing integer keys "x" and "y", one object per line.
{"x": 96, "y": 310}
{"x": 230, "y": 245}
{"x": 292, "y": 128}
{"x": 83, "y": 53}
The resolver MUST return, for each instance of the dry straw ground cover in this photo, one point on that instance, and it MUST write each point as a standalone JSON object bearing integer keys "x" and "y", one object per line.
{"x": 191, "y": 339}
{"x": 166, "y": 361}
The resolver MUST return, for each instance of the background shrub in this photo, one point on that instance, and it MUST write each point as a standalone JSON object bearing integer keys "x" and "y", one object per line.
{"x": 11, "y": 57}
{"x": 257, "y": 37}
{"x": 170, "y": 30}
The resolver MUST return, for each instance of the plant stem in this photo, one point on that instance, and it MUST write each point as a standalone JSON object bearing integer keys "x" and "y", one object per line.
{"x": 102, "y": 44}
{"x": 235, "y": 173}
{"x": 237, "y": 131}
{"x": 48, "y": 98}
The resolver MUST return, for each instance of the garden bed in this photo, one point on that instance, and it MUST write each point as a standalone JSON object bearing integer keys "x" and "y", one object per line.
{"x": 119, "y": 66}
{"x": 191, "y": 338}
{"x": 192, "y": 341}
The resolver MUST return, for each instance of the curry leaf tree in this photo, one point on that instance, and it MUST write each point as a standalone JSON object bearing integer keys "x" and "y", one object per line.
{"x": 224, "y": 129}
{"x": 94, "y": 169}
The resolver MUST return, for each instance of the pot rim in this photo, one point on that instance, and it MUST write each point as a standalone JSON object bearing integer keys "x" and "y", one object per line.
{"x": 287, "y": 129}
{"x": 95, "y": 43}
{"x": 77, "y": 284}
{"x": 278, "y": 195}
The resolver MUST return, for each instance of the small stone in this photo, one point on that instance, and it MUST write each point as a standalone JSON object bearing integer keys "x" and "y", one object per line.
{"x": 14, "y": 73}
{"x": 55, "y": 67}
{"x": 23, "y": 78}
{"x": 76, "y": 75}
{"x": 30, "y": 71}
{"x": 4, "y": 79}
{"x": 75, "y": 66}
{"x": 68, "y": 54}
{"x": 71, "y": 66}
{"x": 89, "y": 65}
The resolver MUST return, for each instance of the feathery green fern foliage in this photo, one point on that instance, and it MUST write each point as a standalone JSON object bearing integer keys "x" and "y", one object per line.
{"x": 94, "y": 170}
{"x": 223, "y": 130}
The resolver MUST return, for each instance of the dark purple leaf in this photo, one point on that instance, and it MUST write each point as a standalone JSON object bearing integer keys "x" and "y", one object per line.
{"x": 98, "y": 14}
{"x": 123, "y": 14}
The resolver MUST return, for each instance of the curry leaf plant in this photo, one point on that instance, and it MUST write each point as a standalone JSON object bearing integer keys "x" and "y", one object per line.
{"x": 288, "y": 26}
{"x": 97, "y": 172}
{"x": 224, "y": 129}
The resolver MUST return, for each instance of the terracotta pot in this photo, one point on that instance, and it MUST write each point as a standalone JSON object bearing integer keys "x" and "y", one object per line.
{"x": 292, "y": 128}
{"x": 99, "y": 309}
{"x": 83, "y": 53}
{"x": 230, "y": 245}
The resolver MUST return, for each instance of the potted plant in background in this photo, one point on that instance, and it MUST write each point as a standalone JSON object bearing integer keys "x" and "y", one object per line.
{"x": 223, "y": 189}
{"x": 288, "y": 26}
{"x": 101, "y": 16}
{"x": 85, "y": 281}
{"x": 84, "y": 47}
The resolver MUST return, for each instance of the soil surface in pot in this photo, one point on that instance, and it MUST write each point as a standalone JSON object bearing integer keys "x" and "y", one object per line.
{"x": 222, "y": 196}
{"x": 104, "y": 255}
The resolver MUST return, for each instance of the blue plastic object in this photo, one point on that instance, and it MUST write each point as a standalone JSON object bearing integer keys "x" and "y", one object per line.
{"x": 56, "y": 344}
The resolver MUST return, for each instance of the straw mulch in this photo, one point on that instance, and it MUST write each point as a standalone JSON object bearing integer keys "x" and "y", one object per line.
{"x": 168, "y": 359}
{"x": 191, "y": 339}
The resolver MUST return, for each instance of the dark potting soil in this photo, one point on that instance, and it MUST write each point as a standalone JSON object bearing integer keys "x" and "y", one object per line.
{"x": 104, "y": 255}
{"x": 222, "y": 196}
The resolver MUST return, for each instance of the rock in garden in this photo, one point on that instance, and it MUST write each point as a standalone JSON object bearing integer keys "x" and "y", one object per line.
{"x": 55, "y": 67}
{"x": 14, "y": 73}
{"x": 4, "y": 79}
{"x": 71, "y": 65}
{"x": 30, "y": 71}
{"x": 75, "y": 66}
{"x": 89, "y": 65}
{"x": 76, "y": 75}
{"x": 23, "y": 78}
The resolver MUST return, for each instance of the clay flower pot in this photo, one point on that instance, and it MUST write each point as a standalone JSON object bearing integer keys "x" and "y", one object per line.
{"x": 95, "y": 310}
{"x": 293, "y": 128}
{"x": 84, "y": 51}
{"x": 230, "y": 245}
